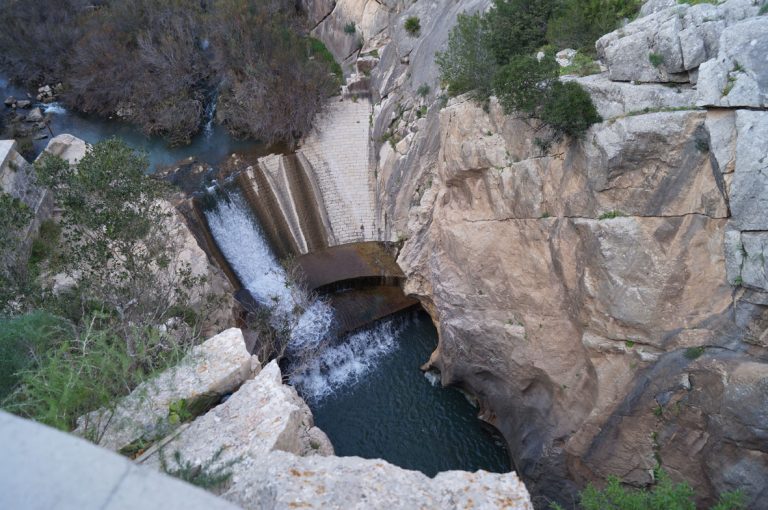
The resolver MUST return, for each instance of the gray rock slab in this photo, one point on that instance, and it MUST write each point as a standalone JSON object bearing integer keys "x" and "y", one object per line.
{"x": 42, "y": 468}
{"x": 749, "y": 189}
{"x": 738, "y": 75}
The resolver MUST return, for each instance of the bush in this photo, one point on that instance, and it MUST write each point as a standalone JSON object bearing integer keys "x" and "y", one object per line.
{"x": 88, "y": 370}
{"x": 423, "y": 90}
{"x": 412, "y": 25}
{"x": 664, "y": 495}
{"x": 656, "y": 59}
{"x": 569, "y": 110}
{"x": 579, "y": 23}
{"x": 467, "y": 63}
{"x": 522, "y": 84}
{"x": 350, "y": 28}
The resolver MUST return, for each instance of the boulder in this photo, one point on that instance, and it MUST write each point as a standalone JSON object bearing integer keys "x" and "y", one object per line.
{"x": 67, "y": 147}
{"x": 738, "y": 75}
{"x": 23, "y": 103}
{"x": 565, "y": 57}
{"x": 9, "y": 101}
{"x": 214, "y": 368}
{"x": 35, "y": 115}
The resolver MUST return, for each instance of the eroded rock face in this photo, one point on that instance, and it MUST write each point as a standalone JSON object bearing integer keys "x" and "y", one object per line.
{"x": 587, "y": 295}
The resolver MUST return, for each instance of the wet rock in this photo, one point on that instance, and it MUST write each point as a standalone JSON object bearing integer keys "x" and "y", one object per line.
{"x": 67, "y": 147}
{"x": 35, "y": 115}
{"x": 9, "y": 101}
{"x": 216, "y": 367}
{"x": 23, "y": 103}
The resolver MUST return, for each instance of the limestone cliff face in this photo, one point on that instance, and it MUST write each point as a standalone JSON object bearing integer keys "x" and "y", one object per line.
{"x": 606, "y": 300}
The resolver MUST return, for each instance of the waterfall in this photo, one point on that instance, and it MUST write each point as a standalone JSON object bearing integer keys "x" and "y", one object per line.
{"x": 321, "y": 363}
{"x": 54, "y": 108}
{"x": 210, "y": 114}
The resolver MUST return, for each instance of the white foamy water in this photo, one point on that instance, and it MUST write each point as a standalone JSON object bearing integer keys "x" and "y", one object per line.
{"x": 319, "y": 366}
{"x": 432, "y": 377}
{"x": 54, "y": 108}
{"x": 335, "y": 366}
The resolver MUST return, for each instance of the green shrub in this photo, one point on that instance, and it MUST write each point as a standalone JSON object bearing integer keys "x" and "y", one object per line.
{"x": 579, "y": 23}
{"x": 350, "y": 28}
{"x": 318, "y": 50}
{"x": 569, "y": 110}
{"x": 423, "y": 90}
{"x": 694, "y": 352}
{"x": 582, "y": 65}
{"x": 522, "y": 84}
{"x": 412, "y": 25}
{"x": 763, "y": 9}
{"x": 656, "y": 59}
{"x": 87, "y": 370}
{"x": 25, "y": 339}
{"x": 663, "y": 495}
{"x": 609, "y": 215}
{"x": 467, "y": 64}
{"x": 203, "y": 475}
{"x": 45, "y": 243}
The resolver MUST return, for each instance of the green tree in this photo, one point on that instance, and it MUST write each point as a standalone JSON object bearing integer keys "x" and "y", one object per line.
{"x": 517, "y": 27}
{"x": 522, "y": 84}
{"x": 467, "y": 64}
{"x": 579, "y": 23}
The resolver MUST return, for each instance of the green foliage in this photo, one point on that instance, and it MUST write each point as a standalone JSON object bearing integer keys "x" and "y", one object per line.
{"x": 609, "y": 215}
{"x": 88, "y": 369}
{"x": 44, "y": 245}
{"x": 664, "y": 495}
{"x": 629, "y": 343}
{"x": 211, "y": 474}
{"x": 23, "y": 341}
{"x": 412, "y": 25}
{"x": 763, "y": 9}
{"x": 318, "y": 50}
{"x": 582, "y": 65}
{"x": 731, "y": 500}
{"x": 423, "y": 90}
{"x": 350, "y": 28}
{"x": 656, "y": 59}
{"x": 468, "y": 62}
{"x": 569, "y": 110}
{"x": 517, "y": 27}
{"x": 523, "y": 83}
{"x": 694, "y": 352}
{"x": 579, "y": 23}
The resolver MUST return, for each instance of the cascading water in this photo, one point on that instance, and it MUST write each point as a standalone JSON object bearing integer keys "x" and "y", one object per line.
{"x": 320, "y": 365}
{"x": 210, "y": 114}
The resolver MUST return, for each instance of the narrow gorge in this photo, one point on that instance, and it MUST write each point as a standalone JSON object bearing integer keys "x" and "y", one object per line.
{"x": 418, "y": 259}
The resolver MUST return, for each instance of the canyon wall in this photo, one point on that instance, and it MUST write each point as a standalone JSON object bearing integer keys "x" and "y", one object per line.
{"x": 605, "y": 300}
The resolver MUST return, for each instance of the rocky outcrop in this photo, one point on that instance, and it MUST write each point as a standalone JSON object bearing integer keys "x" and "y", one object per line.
{"x": 669, "y": 44}
{"x": 264, "y": 436}
{"x": 590, "y": 295}
{"x": 216, "y": 367}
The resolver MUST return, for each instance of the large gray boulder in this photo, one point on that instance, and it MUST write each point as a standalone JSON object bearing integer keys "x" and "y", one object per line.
{"x": 216, "y": 367}
{"x": 749, "y": 189}
{"x": 738, "y": 76}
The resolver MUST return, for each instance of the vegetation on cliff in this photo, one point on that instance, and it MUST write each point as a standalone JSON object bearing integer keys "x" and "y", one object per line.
{"x": 501, "y": 44}
{"x": 162, "y": 64}
{"x": 119, "y": 308}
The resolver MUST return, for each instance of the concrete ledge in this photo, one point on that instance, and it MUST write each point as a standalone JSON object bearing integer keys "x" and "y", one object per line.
{"x": 7, "y": 147}
{"x": 42, "y": 468}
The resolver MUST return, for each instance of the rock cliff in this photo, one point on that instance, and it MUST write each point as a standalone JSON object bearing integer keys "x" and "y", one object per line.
{"x": 605, "y": 300}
